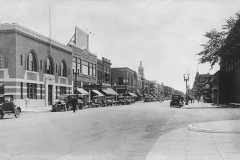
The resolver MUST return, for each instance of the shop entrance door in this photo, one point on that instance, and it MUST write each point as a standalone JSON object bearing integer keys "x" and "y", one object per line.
{"x": 49, "y": 94}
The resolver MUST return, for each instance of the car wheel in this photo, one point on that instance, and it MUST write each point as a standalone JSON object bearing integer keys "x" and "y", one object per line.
{"x": 17, "y": 112}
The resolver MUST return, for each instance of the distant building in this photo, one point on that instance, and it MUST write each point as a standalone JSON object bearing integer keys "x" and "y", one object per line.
{"x": 203, "y": 87}
{"x": 153, "y": 87}
{"x": 104, "y": 72}
{"x": 123, "y": 80}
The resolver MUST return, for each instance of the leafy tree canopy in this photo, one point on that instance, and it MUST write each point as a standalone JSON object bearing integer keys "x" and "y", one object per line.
{"x": 219, "y": 43}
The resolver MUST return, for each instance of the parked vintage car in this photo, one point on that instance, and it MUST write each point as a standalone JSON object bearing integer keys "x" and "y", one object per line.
{"x": 60, "y": 104}
{"x": 146, "y": 99}
{"x": 128, "y": 100}
{"x": 64, "y": 103}
{"x": 122, "y": 100}
{"x": 8, "y": 107}
{"x": 95, "y": 102}
{"x": 110, "y": 101}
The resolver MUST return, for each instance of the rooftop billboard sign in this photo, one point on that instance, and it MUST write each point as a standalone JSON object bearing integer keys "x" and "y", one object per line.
{"x": 81, "y": 38}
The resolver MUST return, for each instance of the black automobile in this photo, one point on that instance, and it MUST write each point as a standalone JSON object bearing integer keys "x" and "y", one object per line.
{"x": 122, "y": 100}
{"x": 64, "y": 103}
{"x": 177, "y": 100}
{"x": 110, "y": 101}
{"x": 61, "y": 104}
{"x": 8, "y": 107}
{"x": 95, "y": 102}
{"x": 128, "y": 100}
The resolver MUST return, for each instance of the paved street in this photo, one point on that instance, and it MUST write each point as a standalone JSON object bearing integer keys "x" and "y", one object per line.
{"x": 119, "y": 132}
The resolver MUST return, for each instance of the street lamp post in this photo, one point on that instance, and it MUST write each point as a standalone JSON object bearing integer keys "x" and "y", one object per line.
{"x": 75, "y": 74}
{"x": 186, "y": 79}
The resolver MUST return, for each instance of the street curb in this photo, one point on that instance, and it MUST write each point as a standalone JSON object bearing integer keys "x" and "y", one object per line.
{"x": 201, "y": 107}
{"x": 191, "y": 127}
{"x": 35, "y": 111}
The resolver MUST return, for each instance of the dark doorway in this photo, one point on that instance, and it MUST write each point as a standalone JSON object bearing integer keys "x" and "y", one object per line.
{"x": 49, "y": 94}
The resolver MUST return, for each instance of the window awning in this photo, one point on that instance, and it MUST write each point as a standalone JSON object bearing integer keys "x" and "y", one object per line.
{"x": 132, "y": 94}
{"x": 110, "y": 91}
{"x": 98, "y": 93}
{"x": 82, "y": 91}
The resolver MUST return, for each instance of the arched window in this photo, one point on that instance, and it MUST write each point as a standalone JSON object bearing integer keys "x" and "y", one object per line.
{"x": 31, "y": 62}
{"x": 63, "y": 69}
{"x": 49, "y": 66}
{"x": 1, "y": 61}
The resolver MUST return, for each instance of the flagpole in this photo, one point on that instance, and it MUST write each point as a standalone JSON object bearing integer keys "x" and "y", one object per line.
{"x": 50, "y": 34}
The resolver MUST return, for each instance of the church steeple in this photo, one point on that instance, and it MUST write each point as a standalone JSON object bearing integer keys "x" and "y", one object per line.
{"x": 141, "y": 70}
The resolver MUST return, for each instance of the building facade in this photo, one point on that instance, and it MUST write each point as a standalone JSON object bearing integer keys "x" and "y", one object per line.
{"x": 123, "y": 80}
{"x": 104, "y": 72}
{"x": 84, "y": 67}
{"x": 203, "y": 87}
{"x": 33, "y": 68}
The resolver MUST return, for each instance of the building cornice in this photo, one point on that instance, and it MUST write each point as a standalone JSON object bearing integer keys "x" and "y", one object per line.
{"x": 126, "y": 68}
{"x": 15, "y": 28}
{"x": 82, "y": 49}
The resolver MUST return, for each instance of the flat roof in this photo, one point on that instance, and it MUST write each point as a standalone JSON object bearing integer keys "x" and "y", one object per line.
{"x": 31, "y": 33}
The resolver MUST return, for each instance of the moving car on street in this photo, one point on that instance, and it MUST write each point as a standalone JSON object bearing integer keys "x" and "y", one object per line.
{"x": 176, "y": 100}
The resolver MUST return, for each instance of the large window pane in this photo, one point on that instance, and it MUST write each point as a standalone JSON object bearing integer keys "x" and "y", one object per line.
{"x": 79, "y": 65}
{"x": 85, "y": 67}
{"x": 32, "y": 91}
{"x": 1, "y": 61}
{"x": 74, "y": 64}
{"x": 63, "y": 69}
{"x": 49, "y": 68}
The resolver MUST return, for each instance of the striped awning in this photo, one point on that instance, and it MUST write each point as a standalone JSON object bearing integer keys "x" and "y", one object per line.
{"x": 98, "y": 93}
{"x": 82, "y": 91}
{"x": 132, "y": 94}
{"x": 110, "y": 91}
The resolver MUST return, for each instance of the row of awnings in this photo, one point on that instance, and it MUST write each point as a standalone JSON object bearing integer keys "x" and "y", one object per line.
{"x": 108, "y": 91}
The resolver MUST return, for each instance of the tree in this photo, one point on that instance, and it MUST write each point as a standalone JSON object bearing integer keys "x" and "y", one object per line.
{"x": 220, "y": 42}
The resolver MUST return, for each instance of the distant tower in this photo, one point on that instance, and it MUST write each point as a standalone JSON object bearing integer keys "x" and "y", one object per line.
{"x": 141, "y": 70}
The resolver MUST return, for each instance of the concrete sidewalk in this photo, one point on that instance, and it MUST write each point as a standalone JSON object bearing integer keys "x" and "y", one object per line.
{"x": 218, "y": 140}
{"x": 202, "y": 105}
{"x": 229, "y": 127}
{"x": 39, "y": 109}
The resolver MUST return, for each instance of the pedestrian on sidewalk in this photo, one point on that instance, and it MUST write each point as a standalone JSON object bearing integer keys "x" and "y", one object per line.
{"x": 26, "y": 102}
{"x": 74, "y": 103}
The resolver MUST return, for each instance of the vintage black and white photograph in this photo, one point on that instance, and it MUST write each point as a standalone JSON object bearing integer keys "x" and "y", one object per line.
{"x": 120, "y": 80}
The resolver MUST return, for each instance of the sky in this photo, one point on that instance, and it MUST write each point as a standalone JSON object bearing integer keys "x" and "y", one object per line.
{"x": 165, "y": 35}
